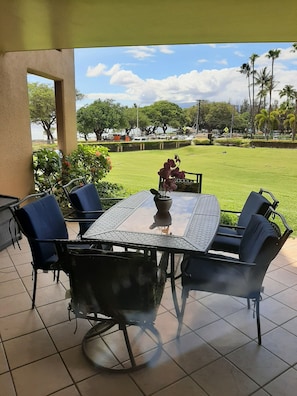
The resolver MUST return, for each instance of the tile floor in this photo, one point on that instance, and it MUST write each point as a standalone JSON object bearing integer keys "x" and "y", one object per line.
{"x": 217, "y": 354}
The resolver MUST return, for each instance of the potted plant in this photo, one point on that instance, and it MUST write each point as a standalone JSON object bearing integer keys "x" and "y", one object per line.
{"x": 167, "y": 183}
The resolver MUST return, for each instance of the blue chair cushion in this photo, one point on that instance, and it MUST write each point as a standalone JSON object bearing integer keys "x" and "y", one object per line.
{"x": 43, "y": 219}
{"x": 86, "y": 199}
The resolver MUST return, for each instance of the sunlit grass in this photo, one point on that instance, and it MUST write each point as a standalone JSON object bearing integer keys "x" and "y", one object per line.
{"x": 228, "y": 172}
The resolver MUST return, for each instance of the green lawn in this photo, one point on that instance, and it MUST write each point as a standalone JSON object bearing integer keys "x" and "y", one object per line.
{"x": 228, "y": 172}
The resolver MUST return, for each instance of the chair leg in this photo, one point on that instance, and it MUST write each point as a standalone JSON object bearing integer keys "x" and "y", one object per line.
{"x": 34, "y": 275}
{"x": 128, "y": 345}
{"x": 185, "y": 294}
{"x": 258, "y": 321}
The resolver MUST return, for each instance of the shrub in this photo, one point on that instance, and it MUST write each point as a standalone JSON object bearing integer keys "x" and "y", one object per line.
{"x": 92, "y": 162}
{"x": 52, "y": 170}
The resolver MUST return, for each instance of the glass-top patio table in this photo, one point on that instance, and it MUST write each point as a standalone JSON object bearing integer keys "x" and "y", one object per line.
{"x": 190, "y": 226}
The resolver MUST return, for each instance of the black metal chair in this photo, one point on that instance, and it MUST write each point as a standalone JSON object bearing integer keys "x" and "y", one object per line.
{"x": 191, "y": 183}
{"x": 85, "y": 202}
{"x": 240, "y": 277}
{"x": 41, "y": 221}
{"x": 120, "y": 291}
{"x": 228, "y": 237}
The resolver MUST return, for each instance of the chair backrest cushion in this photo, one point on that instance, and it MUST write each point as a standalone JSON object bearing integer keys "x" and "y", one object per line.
{"x": 255, "y": 203}
{"x": 86, "y": 198}
{"x": 260, "y": 242}
{"x": 125, "y": 285}
{"x": 42, "y": 219}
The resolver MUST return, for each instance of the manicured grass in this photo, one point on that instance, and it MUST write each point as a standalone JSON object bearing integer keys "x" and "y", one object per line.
{"x": 228, "y": 172}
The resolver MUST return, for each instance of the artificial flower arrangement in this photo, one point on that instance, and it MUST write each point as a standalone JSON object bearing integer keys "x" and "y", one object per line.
{"x": 169, "y": 173}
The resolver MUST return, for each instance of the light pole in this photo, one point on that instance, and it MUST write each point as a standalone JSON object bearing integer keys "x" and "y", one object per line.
{"x": 136, "y": 107}
{"x": 198, "y": 115}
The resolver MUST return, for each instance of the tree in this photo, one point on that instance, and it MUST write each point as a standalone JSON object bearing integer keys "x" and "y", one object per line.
{"x": 272, "y": 54}
{"x": 253, "y": 58}
{"x": 263, "y": 81}
{"x": 267, "y": 121}
{"x": 219, "y": 115}
{"x": 42, "y": 107}
{"x": 290, "y": 93}
{"x": 166, "y": 114}
{"x": 100, "y": 116}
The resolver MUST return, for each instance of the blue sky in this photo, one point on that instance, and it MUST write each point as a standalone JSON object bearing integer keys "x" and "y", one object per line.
{"x": 178, "y": 73}
{"x": 181, "y": 73}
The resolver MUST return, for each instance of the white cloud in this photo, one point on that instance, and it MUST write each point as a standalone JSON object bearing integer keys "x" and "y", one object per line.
{"x": 222, "y": 62}
{"x": 165, "y": 49}
{"x": 96, "y": 70}
{"x": 141, "y": 52}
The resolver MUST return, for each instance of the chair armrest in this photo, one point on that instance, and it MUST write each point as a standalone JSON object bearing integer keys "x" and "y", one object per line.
{"x": 236, "y": 212}
{"x": 275, "y": 201}
{"x": 217, "y": 258}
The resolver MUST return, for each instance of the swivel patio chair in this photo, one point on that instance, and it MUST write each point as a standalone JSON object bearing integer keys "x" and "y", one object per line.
{"x": 85, "y": 202}
{"x": 42, "y": 222}
{"x": 240, "y": 277}
{"x": 228, "y": 237}
{"x": 120, "y": 292}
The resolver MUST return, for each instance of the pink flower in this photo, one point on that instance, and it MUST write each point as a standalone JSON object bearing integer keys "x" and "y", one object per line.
{"x": 169, "y": 173}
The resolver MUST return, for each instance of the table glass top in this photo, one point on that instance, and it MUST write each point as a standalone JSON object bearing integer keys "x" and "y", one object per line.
{"x": 190, "y": 225}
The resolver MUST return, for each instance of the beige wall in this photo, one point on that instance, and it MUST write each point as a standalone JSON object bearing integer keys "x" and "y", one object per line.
{"x": 16, "y": 177}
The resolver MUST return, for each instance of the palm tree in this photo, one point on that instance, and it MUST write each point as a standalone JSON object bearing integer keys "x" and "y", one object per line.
{"x": 246, "y": 70}
{"x": 290, "y": 93}
{"x": 253, "y": 58}
{"x": 272, "y": 54}
{"x": 263, "y": 80}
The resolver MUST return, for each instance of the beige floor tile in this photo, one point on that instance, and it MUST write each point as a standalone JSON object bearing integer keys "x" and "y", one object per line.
{"x": 282, "y": 343}
{"x": 284, "y": 385}
{"x": 223, "y": 378}
{"x": 69, "y": 391}
{"x": 197, "y": 315}
{"x": 8, "y": 273}
{"x": 54, "y": 313}
{"x": 162, "y": 374}
{"x": 190, "y": 352}
{"x": 48, "y": 294}
{"x": 20, "y": 324}
{"x": 22, "y": 258}
{"x": 5, "y": 261}
{"x": 222, "y": 336}
{"x": 276, "y": 312}
{"x": 167, "y": 325}
{"x": 185, "y": 386}
{"x": 286, "y": 277}
{"x": 109, "y": 385}
{"x": 287, "y": 297}
{"x": 3, "y": 361}
{"x": 291, "y": 326}
{"x": 13, "y": 304}
{"x": 11, "y": 288}
{"x": 245, "y": 321}
{"x": 65, "y": 335}
{"x": 41, "y": 378}
{"x": 223, "y": 305}
{"x": 6, "y": 385}
{"x": 24, "y": 270}
{"x": 258, "y": 363}
{"x": 29, "y": 348}
{"x": 272, "y": 286}
{"x": 77, "y": 364}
